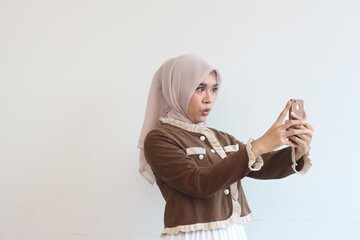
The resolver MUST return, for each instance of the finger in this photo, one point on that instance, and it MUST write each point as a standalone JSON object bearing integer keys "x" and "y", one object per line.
{"x": 295, "y": 116}
{"x": 298, "y": 126}
{"x": 306, "y": 126}
{"x": 290, "y": 123}
{"x": 309, "y": 134}
{"x": 293, "y": 132}
{"x": 303, "y": 137}
{"x": 299, "y": 142}
{"x": 290, "y": 143}
{"x": 310, "y": 127}
{"x": 306, "y": 136}
{"x": 283, "y": 114}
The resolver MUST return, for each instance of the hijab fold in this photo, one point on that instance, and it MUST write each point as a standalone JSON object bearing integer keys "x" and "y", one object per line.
{"x": 170, "y": 93}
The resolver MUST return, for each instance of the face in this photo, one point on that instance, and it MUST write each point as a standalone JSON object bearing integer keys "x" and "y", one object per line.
{"x": 203, "y": 99}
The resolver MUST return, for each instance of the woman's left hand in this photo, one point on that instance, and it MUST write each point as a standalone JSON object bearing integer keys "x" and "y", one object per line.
{"x": 302, "y": 141}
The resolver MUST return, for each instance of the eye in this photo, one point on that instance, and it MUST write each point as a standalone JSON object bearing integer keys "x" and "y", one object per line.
{"x": 215, "y": 89}
{"x": 201, "y": 89}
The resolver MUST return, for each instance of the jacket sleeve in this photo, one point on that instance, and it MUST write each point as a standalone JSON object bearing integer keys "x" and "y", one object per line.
{"x": 277, "y": 164}
{"x": 173, "y": 166}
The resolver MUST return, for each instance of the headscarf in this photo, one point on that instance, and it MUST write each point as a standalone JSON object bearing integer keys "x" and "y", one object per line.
{"x": 170, "y": 93}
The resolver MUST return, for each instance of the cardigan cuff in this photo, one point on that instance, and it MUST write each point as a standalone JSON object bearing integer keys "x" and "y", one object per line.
{"x": 307, "y": 162}
{"x": 254, "y": 164}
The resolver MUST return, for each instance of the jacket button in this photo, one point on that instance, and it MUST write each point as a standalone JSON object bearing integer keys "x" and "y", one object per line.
{"x": 226, "y": 191}
{"x": 201, "y": 156}
{"x": 212, "y": 150}
{"x": 202, "y": 138}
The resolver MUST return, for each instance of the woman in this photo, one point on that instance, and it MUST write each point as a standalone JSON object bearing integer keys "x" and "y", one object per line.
{"x": 199, "y": 169}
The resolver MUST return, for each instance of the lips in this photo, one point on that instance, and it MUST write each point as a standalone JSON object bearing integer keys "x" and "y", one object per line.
{"x": 206, "y": 111}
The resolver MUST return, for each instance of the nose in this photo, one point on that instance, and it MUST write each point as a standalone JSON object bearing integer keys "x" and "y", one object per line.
{"x": 208, "y": 97}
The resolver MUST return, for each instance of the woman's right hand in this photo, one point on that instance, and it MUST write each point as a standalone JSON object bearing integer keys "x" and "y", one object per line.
{"x": 278, "y": 134}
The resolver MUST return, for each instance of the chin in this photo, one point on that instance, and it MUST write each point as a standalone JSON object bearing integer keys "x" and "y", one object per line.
{"x": 200, "y": 120}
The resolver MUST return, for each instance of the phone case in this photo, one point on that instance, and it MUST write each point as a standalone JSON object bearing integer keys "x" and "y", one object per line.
{"x": 297, "y": 106}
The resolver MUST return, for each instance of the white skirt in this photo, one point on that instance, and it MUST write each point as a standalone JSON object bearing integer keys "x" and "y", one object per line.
{"x": 234, "y": 232}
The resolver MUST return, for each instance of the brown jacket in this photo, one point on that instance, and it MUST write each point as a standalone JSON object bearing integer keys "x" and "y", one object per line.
{"x": 198, "y": 171}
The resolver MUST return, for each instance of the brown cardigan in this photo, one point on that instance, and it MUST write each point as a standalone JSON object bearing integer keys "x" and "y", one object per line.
{"x": 198, "y": 171}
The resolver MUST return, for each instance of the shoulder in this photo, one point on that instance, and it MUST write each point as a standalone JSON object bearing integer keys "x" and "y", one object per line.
{"x": 163, "y": 130}
{"x": 224, "y": 136}
{"x": 164, "y": 134}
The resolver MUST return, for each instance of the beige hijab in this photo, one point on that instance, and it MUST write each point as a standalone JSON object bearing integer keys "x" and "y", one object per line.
{"x": 170, "y": 93}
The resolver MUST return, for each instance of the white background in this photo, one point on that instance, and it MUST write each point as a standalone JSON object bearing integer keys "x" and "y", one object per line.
{"x": 74, "y": 79}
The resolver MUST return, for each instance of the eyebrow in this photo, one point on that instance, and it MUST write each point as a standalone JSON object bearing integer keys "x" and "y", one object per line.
{"x": 205, "y": 85}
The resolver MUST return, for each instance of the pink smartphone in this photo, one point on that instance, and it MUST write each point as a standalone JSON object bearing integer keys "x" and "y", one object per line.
{"x": 297, "y": 106}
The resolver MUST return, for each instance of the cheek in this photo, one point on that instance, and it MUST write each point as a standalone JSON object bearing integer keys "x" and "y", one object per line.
{"x": 194, "y": 103}
{"x": 215, "y": 96}
{"x": 195, "y": 100}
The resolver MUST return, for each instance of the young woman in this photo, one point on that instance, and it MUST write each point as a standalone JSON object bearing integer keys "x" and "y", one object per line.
{"x": 199, "y": 169}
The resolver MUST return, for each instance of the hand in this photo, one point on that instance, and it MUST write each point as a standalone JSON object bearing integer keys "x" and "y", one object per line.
{"x": 302, "y": 141}
{"x": 281, "y": 134}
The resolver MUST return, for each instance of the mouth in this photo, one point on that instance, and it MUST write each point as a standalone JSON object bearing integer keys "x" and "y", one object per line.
{"x": 206, "y": 111}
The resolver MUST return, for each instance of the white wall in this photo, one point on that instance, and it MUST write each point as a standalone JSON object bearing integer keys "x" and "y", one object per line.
{"x": 74, "y": 79}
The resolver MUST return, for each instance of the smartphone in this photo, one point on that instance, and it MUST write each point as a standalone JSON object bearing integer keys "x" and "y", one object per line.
{"x": 297, "y": 106}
